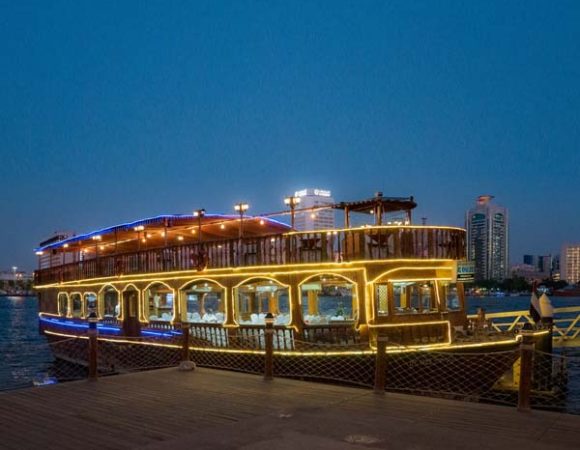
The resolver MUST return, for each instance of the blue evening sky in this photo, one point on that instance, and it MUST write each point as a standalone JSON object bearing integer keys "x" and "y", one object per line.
{"x": 117, "y": 110}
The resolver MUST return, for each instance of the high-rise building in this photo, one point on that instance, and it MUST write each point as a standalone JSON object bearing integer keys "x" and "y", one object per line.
{"x": 530, "y": 260}
{"x": 570, "y": 263}
{"x": 315, "y": 219}
{"x": 545, "y": 263}
{"x": 487, "y": 239}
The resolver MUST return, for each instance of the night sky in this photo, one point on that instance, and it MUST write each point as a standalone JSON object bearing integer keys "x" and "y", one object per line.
{"x": 114, "y": 111}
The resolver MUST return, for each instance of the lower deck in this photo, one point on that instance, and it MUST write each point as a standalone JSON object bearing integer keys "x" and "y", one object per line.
{"x": 411, "y": 303}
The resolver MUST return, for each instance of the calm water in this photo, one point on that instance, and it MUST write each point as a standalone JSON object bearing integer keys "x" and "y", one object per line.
{"x": 24, "y": 354}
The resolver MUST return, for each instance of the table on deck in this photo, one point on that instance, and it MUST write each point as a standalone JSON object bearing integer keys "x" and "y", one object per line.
{"x": 168, "y": 409}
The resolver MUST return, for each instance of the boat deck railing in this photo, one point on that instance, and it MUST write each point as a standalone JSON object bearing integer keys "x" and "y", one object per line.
{"x": 565, "y": 330}
{"x": 347, "y": 245}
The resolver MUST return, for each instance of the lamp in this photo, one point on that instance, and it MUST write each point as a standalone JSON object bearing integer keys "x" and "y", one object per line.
{"x": 241, "y": 208}
{"x": 199, "y": 213}
{"x": 292, "y": 201}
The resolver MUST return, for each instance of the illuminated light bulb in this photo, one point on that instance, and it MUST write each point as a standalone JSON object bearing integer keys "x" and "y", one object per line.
{"x": 262, "y": 222}
{"x": 162, "y": 234}
{"x": 139, "y": 228}
{"x": 222, "y": 226}
{"x": 39, "y": 253}
{"x": 192, "y": 231}
{"x": 313, "y": 216}
{"x": 65, "y": 246}
{"x": 143, "y": 240}
{"x": 272, "y": 240}
{"x": 148, "y": 235}
{"x": 180, "y": 238}
{"x": 101, "y": 247}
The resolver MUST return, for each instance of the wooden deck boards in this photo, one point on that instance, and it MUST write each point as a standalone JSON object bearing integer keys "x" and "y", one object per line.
{"x": 219, "y": 409}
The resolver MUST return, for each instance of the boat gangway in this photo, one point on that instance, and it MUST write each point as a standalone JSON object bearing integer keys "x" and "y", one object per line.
{"x": 566, "y": 329}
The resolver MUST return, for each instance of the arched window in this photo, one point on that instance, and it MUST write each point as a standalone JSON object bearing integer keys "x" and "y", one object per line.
{"x": 256, "y": 298}
{"x": 63, "y": 304}
{"x": 109, "y": 302}
{"x": 90, "y": 303}
{"x": 77, "y": 305}
{"x": 328, "y": 299}
{"x": 159, "y": 302}
{"x": 203, "y": 302}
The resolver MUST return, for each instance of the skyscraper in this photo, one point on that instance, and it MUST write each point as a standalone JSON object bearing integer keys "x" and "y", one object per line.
{"x": 317, "y": 219}
{"x": 487, "y": 239}
{"x": 570, "y": 263}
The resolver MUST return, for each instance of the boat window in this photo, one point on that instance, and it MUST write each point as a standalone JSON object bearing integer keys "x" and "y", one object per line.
{"x": 159, "y": 301}
{"x": 450, "y": 296}
{"x": 77, "y": 305}
{"x": 63, "y": 304}
{"x": 328, "y": 299}
{"x": 204, "y": 303}
{"x": 411, "y": 297}
{"x": 259, "y": 297}
{"x": 110, "y": 302}
{"x": 90, "y": 302}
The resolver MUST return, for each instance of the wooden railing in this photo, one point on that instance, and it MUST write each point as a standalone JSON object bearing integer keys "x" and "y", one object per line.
{"x": 253, "y": 337}
{"x": 209, "y": 334}
{"x": 566, "y": 329}
{"x": 370, "y": 243}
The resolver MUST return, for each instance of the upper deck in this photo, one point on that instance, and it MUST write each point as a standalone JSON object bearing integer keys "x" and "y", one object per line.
{"x": 201, "y": 241}
{"x": 89, "y": 258}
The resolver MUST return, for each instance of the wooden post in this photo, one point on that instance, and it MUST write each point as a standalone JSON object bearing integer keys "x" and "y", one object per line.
{"x": 269, "y": 345}
{"x": 381, "y": 365}
{"x": 526, "y": 369}
{"x": 184, "y": 341}
{"x": 186, "y": 364}
{"x": 93, "y": 343}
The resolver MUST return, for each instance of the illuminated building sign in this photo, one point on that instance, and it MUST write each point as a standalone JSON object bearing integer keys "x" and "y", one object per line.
{"x": 316, "y": 192}
{"x": 465, "y": 271}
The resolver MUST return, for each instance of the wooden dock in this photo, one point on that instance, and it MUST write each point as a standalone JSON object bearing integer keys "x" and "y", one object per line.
{"x": 168, "y": 409}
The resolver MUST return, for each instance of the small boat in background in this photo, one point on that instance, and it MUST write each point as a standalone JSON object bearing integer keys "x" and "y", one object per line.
{"x": 568, "y": 291}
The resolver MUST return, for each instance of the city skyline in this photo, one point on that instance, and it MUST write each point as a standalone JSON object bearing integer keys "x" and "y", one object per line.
{"x": 113, "y": 113}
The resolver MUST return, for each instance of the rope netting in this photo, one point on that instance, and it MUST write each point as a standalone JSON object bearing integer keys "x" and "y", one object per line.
{"x": 467, "y": 376}
{"x": 492, "y": 377}
{"x": 69, "y": 361}
{"x": 555, "y": 382}
{"x": 351, "y": 364}
{"x": 132, "y": 354}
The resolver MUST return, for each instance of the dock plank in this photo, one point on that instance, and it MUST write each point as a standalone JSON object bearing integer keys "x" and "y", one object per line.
{"x": 220, "y": 409}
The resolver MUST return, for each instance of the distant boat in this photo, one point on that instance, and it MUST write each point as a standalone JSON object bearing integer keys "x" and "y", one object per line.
{"x": 568, "y": 291}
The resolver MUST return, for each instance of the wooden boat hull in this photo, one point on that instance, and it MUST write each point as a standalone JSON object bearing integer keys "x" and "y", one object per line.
{"x": 447, "y": 370}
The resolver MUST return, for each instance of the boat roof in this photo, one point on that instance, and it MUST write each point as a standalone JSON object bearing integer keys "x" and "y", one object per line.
{"x": 170, "y": 229}
{"x": 179, "y": 226}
